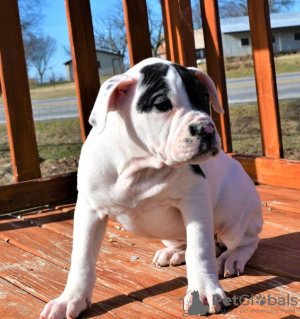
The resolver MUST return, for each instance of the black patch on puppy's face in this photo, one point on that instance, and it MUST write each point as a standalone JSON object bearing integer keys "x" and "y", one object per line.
{"x": 197, "y": 92}
{"x": 156, "y": 89}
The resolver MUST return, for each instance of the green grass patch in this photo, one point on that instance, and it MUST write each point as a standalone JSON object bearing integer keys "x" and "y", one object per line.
{"x": 58, "y": 139}
{"x": 245, "y": 129}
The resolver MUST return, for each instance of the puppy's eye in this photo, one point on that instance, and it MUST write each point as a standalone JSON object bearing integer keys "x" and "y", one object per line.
{"x": 163, "y": 105}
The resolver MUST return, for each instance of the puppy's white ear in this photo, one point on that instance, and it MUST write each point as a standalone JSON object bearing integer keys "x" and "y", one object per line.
{"x": 110, "y": 96}
{"x": 208, "y": 82}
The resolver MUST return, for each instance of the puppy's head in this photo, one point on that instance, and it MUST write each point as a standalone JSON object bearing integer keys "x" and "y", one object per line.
{"x": 166, "y": 109}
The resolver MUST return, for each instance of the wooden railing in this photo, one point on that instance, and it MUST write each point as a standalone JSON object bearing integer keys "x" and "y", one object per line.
{"x": 31, "y": 190}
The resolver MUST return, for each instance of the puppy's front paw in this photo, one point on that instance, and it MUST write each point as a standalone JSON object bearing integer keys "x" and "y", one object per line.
{"x": 169, "y": 257}
{"x": 63, "y": 307}
{"x": 201, "y": 302}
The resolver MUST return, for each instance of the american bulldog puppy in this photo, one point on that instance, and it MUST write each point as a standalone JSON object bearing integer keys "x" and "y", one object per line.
{"x": 153, "y": 161}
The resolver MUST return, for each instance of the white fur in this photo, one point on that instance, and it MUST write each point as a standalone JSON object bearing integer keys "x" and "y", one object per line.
{"x": 135, "y": 167}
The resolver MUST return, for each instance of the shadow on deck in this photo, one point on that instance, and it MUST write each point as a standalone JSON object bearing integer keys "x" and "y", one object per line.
{"x": 35, "y": 256}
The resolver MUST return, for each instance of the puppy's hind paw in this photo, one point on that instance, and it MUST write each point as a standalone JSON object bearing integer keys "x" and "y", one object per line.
{"x": 232, "y": 262}
{"x": 169, "y": 257}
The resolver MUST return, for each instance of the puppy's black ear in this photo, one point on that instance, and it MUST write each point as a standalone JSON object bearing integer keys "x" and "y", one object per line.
{"x": 208, "y": 82}
{"x": 110, "y": 96}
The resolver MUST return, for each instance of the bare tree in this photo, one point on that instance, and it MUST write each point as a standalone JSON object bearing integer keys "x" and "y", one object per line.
{"x": 196, "y": 13}
{"x": 31, "y": 16}
{"x": 236, "y": 8}
{"x": 155, "y": 26}
{"x": 233, "y": 8}
{"x": 67, "y": 50}
{"x": 280, "y": 5}
{"x": 110, "y": 31}
{"x": 39, "y": 51}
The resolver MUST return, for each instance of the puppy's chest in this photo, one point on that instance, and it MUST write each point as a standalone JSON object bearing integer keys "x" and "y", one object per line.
{"x": 132, "y": 189}
{"x": 152, "y": 219}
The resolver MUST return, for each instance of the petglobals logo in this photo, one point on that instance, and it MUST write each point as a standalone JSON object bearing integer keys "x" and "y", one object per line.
{"x": 194, "y": 306}
{"x": 245, "y": 300}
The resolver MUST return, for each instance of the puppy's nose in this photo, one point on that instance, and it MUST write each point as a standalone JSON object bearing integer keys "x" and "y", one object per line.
{"x": 202, "y": 129}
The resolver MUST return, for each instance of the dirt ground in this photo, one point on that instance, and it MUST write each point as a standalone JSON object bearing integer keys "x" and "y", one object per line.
{"x": 49, "y": 167}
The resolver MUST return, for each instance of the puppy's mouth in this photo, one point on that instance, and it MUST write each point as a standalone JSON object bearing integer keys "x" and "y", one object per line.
{"x": 196, "y": 143}
{"x": 194, "y": 151}
{"x": 203, "y": 156}
{"x": 206, "y": 136}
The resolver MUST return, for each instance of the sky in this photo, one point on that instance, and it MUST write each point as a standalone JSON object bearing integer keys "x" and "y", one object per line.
{"x": 54, "y": 24}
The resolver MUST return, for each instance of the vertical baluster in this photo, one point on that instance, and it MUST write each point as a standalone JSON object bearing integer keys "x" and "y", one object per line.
{"x": 179, "y": 32}
{"x": 262, "y": 48}
{"x": 215, "y": 66}
{"x": 137, "y": 29}
{"x": 84, "y": 59}
{"x": 16, "y": 95}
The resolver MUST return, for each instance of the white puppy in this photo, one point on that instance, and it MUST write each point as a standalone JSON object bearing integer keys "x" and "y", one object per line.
{"x": 151, "y": 162}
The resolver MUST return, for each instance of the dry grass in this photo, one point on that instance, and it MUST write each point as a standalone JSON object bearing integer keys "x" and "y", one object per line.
{"x": 54, "y": 90}
{"x": 59, "y": 142}
{"x": 246, "y": 131}
{"x": 59, "y": 145}
{"x": 240, "y": 67}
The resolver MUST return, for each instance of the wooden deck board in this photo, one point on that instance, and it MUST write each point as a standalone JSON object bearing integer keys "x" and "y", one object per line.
{"x": 15, "y": 303}
{"x": 35, "y": 256}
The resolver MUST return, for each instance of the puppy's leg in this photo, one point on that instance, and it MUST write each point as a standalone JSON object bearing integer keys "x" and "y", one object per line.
{"x": 88, "y": 233}
{"x": 200, "y": 253}
{"x": 173, "y": 255}
{"x": 233, "y": 260}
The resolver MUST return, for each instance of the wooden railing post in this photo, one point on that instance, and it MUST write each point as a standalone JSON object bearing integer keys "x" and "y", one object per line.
{"x": 262, "y": 47}
{"x": 179, "y": 32}
{"x": 84, "y": 59}
{"x": 16, "y": 96}
{"x": 137, "y": 30}
{"x": 215, "y": 66}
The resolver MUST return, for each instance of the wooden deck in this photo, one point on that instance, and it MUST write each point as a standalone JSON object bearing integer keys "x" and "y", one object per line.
{"x": 35, "y": 255}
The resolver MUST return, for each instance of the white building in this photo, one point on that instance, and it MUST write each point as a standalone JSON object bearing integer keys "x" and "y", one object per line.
{"x": 108, "y": 64}
{"x": 285, "y": 33}
{"x": 237, "y": 41}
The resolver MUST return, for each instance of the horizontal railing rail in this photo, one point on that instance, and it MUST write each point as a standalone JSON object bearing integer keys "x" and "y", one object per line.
{"x": 31, "y": 190}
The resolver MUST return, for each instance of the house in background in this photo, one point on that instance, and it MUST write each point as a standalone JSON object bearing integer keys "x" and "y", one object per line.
{"x": 285, "y": 33}
{"x": 109, "y": 64}
{"x": 236, "y": 36}
{"x": 199, "y": 44}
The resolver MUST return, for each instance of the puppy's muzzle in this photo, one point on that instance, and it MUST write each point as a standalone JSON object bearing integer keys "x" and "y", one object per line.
{"x": 205, "y": 132}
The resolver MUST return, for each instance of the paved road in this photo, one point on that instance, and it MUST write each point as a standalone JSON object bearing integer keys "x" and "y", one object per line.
{"x": 240, "y": 91}
{"x": 50, "y": 109}
{"x": 243, "y": 90}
